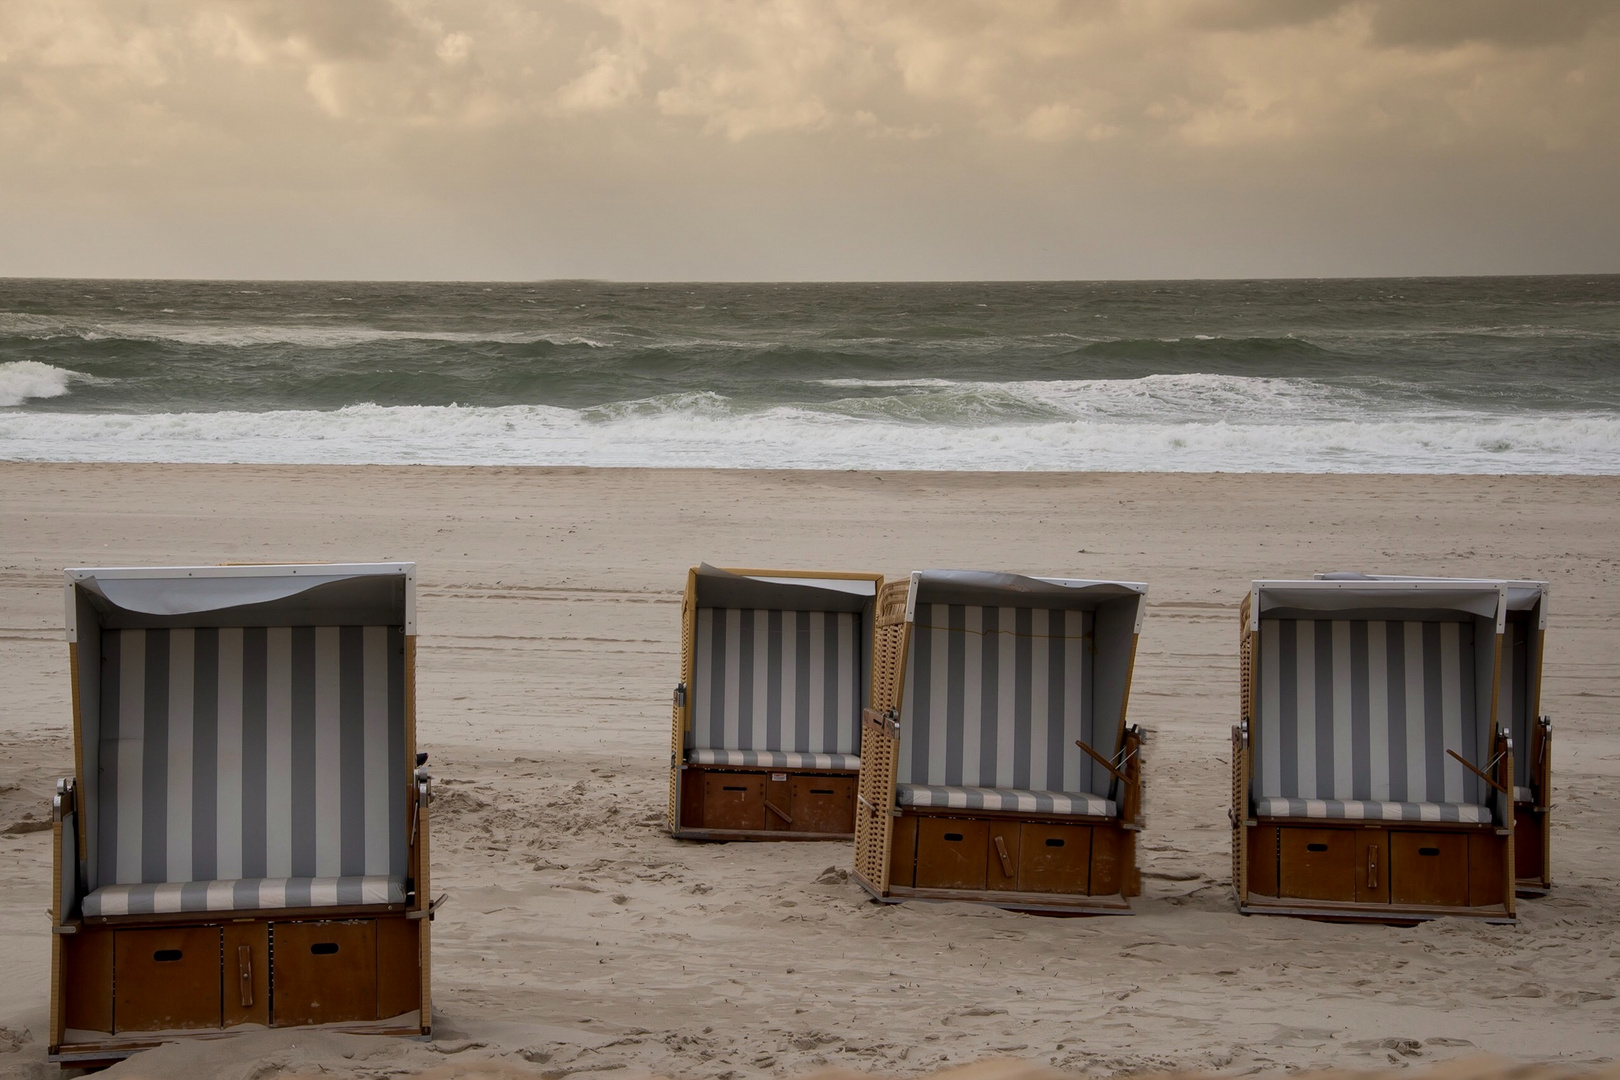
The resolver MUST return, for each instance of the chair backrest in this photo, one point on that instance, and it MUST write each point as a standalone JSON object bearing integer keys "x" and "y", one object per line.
{"x": 997, "y": 696}
{"x": 1366, "y": 710}
{"x": 251, "y": 752}
{"x": 777, "y": 680}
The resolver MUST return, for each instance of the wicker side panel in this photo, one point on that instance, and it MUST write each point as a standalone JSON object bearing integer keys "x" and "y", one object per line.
{"x": 1240, "y": 752}
{"x": 874, "y": 817}
{"x": 1240, "y": 785}
{"x": 677, "y": 737}
{"x": 880, "y": 739}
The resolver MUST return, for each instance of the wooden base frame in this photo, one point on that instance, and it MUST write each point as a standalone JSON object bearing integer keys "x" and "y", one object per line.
{"x": 128, "y": 984}
{"x": 744, "y": 803}
{"x": 1023, "y": 862}
{"x": 1392, "y": 872}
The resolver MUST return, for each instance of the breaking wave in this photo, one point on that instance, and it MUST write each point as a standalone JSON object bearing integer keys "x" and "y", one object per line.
{"x": 1158, "y": 423}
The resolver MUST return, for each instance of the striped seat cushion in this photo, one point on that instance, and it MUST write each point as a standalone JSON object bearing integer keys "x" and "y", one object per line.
{"x": 258, "y": 753}
{"x": 1364, "y": 711}
{"x": 943, "y": 796}
{"x": 765, "y": 680}
{"x": 244, "y": 894}
{"x": 1370, "y": 810}
{"x": 775, "y": 759}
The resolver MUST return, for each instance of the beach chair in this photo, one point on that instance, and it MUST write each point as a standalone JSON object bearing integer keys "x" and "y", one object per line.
{"x": 996, "y": 764}
{"x": 1519, "y": 710}
{"x": 1371, "y": 777}
{"x": 775, "y": 669}
{"x": 244, "y": 841}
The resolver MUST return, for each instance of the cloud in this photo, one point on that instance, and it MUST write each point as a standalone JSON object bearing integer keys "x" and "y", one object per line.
{"x": 239, "y": 104}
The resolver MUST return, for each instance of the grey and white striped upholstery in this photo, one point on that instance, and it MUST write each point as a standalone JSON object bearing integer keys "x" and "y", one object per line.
{"x": 994, "y": 700}
{"x": 256, "y": 758}
{"x": 787, "y": 681}
{"x": 983, "y": 798}
{"x": 1369, "y": 810}
{"x": 251, "y": 894}
{"x": 1355, "y": 718}
{"x": 775, "y": 759}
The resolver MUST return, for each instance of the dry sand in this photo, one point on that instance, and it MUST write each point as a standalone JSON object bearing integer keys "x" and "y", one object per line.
{"x": 579, "y": 938}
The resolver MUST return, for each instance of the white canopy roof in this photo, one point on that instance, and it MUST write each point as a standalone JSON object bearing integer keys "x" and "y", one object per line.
{"x": 188, "y": 595}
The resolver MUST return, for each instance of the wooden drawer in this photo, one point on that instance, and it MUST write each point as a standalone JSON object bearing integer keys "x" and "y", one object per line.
{"x": 166, "y": 979}
{"x": 1428, "y": 868}
{"x": 324, "y": 971}
{"x": 734, "y": 801}
{"x": 951, "y": 854}
{"x": 824, "y": 804}
{"x": 1316, "y": 864}
{"x": 1055, "y": 858}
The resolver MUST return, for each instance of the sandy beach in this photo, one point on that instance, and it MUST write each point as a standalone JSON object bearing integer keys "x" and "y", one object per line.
{"x": 579, "y": 938}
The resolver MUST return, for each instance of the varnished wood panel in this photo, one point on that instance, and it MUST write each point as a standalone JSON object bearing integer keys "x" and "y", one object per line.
{"x": 1110, "y": 855}
{"x": 324, "y": 972}
{"x": 903, "y": 853}
{"x": 1056, "y": 859}
{"x": 398, "y": 974}
{"x": 1428, "y": 868}
{"x": 1262, "y": 861}
{"x": 823, "y": 804}
{"x": 692, "y": 798}
{"x": 780, "y": 813}
{"x": 87, "y": 980}
{"x": 245, "y": 985}
{"x": 951, "y": 853}
{"x": 733, "y": 801}
{"x": 1372, "y": 866}
{"x": 1316, "y": 864}
{"x": 166, "y": 979}
{"x": 1487, "y": 868}
{"x": 1002, "y": 855}
{"x": 1529, "y": 852}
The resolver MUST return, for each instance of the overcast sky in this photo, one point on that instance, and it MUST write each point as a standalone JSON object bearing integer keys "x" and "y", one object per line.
{"x": 830, "y": 139}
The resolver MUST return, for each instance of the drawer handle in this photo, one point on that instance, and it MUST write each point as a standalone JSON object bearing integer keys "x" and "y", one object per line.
{"x": 821, "y": 791}
{"x": 1428, "y": 851}
{"x": 1315, "y": 847}
{"x": 1054, "y": 841}
{"x": 324, "y": 948}
{"x": 953, "y": 837}
{"x": 730, "y": 787}
{"x": 167, "y": 956}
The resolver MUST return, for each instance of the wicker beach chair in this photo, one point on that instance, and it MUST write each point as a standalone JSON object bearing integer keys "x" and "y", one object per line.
{"x": 997, "y": 766}
{"x": 1371, "y": 778}
{"x": 765, "y": 737}
{"x": 244, "y": 841}
{"x": 1518, "y": 709}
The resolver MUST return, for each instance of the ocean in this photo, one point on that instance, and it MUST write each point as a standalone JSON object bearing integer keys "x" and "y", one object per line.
{"x": 1466, "y": 375}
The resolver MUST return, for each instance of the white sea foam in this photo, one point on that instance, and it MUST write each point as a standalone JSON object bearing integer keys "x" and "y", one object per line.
{"x": 1160, "y": 423}
{"x": 28, "y": 380}
{"x": 239, "y": 335}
